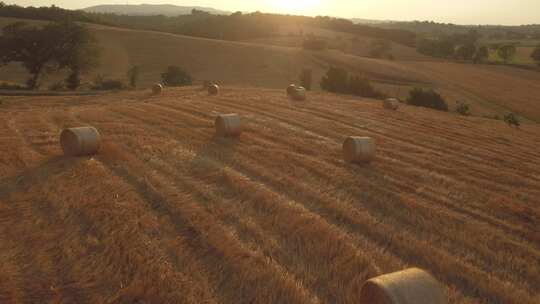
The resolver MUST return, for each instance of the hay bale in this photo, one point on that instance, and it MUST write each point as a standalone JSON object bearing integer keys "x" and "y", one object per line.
{"x": 411, "y": 286}
{"x": 80, "y": 141}
{"x": 296, "y": 92}
{"x": 291, "y": 89}
{"x": 391, "y": 104}
{"x": 157, "y": 89}
{"x": 228, "y": 125}
{"x": 213, "y": 89}
{"x": 359, "y": 149}
{"x": 299, "y": 93}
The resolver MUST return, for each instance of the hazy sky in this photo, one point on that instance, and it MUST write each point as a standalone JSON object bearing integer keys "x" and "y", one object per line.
{"x": 456, "y": 11}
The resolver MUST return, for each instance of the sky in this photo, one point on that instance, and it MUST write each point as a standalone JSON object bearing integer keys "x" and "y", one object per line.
{"x": 507, "y": 12}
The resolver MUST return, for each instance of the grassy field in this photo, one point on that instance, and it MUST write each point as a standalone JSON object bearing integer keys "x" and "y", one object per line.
{"x": 166, "y": 212}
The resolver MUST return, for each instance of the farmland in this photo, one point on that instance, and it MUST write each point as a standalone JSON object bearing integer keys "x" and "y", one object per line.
{"x": 274, "y": 63}
{"x": 167, "y": 212}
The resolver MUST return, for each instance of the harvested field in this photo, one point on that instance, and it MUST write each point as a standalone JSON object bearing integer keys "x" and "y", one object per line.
{"x": 167, "y": 212}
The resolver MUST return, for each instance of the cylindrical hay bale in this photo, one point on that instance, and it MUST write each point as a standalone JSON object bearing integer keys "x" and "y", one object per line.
{"x": 157, "y": 89}
{"x": 359, "y": 149}
{"x": 391, "y": 104}
{"x": 213, "y": 89}
{"x": 299, "y": 93}
{"x": 411, "y": 286}
{"x": 80, "y": 141}
{"x": 228, "y": 125}
{"x": 291, "y": 89}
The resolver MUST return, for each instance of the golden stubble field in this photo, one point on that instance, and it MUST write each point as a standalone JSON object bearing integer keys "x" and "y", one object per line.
{"x": 166, "y": 212}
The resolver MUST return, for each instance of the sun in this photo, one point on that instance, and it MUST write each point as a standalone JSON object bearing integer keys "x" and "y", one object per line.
{"x": 294, "y": 6}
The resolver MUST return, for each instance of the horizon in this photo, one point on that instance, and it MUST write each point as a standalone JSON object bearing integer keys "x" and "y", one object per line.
{"x": 483, "y": 12}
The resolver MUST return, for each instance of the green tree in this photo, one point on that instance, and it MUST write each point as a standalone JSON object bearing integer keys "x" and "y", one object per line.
{"x": 466, "y": 51}
{"x": 47, "y": 49}
{"x": 176, "y": 76}
{"x": 336, "y": 80}
{"x": 506, "y": 52}
{"x": 536, "y": 54}
{"x": 427, "y": 98}
{"x": 482, "y": 53}
{"x": 133, "y": 75}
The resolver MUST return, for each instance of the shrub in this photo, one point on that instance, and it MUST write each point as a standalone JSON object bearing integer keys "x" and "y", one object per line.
{"x": 306, "y": 78}
{"x": 506, "y": 52}
{"x": 512, "y": 120}
{"x": 73, "y": 81}
{"x": 463, "y": 109}
{"x": 57, "y": 86}
{"x": 175, "y": 77}
{"x": 362, "y": 87}
{"x": 427, "y": 98}
{"x": 337, "y": 80}
{"x": 535, "y": 55}
{"x": 102, "y": 84}
{"x": 315, "y": 44}
{"x": 133, "y": 75}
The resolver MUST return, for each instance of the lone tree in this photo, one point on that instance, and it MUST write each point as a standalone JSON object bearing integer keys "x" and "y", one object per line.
{"x": 466, "y": 51}
{"x": 536, "y": 54}
{"x": 507, "y": 52}
{"x": 48, "y": 49}
{"x": 133, "y": 75}
{"x": 175, "y": 77}
{"x": 482, "y": 53}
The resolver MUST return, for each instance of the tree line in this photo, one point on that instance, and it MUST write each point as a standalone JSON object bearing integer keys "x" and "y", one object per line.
{"x": 237, "y": 26}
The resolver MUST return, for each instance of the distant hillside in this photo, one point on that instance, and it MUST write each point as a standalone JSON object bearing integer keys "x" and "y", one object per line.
{"x": 150, "y": 9}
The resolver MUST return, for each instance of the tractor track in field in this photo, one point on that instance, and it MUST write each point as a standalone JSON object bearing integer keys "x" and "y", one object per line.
{"x": 167, "y": 212}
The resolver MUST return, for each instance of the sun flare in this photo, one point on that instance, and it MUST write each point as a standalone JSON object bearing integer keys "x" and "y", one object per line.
{"x": 294, "y": 6}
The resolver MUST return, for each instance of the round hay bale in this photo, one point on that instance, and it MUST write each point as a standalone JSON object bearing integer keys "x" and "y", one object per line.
{"x": 213, "y": 89}
{"x": 411, "y": 286}
{"x": 157, "y": 89}
{"x": 299, "y": 93}
{"x": 391, "y": 104}
{"x": 80, "y": 141}
{"x": 228, "y": 125}
{"x": 291, "y": 89}
{"x": 359, "y": 149}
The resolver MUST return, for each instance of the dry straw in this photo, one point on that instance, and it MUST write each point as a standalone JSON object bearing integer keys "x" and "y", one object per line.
{"x": 296, "y": 92}
{"x": 391, "y": 104}
{"x": 80, "y": 141}
{"x": 213, "y": 89}
{"x": 359, "y": 149}
{"x": 228, "y": 125}
{"x": 157, "y": 89}
{"x": 411, "y": 286}
{"x": 300, "y": 93}
{"x": 291, "y": 89}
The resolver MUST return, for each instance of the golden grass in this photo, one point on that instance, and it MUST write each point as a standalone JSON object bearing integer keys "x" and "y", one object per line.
{"x": 166, "y": 212}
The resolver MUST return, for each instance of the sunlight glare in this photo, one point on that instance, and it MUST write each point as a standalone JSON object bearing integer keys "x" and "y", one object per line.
{"x": 294, "y": 6}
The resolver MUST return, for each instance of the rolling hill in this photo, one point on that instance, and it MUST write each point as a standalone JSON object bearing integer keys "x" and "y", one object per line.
{"x": 151, "y": 9}
{"x": 169, "y": 213}
{"x": 490, "y": 89}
